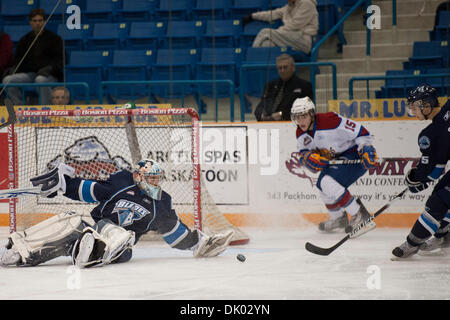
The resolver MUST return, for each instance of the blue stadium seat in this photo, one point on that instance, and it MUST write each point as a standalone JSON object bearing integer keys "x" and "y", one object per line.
{"x": 136, "y": 10}
{"x": 242, "y": 8}
{"x": 218, "y": 64}
{"x": 274, "y": 4}
{"x": 74, "y": 39}
{"x": 207, "y": 9}
{"x": 442, "y": 84}
{"x": 398, "y": 88}
{"x": 428, "y": 54}
{"x": 16, "y": 11}
{"x": 130, "y": 65}
{"x": 221, "y": 34}
{"x": 330, "y": 12}
{"x": 101, "y": 11}
{"x": 145, "y": 35}
{"x": 90, "y": 67}
{"x": 49, "y": 5}
{"x": 256, "y": 79}
{"x": 174, "y": 64}
{"x": 174, "y": 10}
{"x": 442, "y": 30}
{"x": 16, "y": 31}
{"x": 183, "y": 34}
{"x": 108, "y": 36}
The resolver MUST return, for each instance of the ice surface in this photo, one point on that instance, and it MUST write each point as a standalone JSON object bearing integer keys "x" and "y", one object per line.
{"x": 277, "y": 267}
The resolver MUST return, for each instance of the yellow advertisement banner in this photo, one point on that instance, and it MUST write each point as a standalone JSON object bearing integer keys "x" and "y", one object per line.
{"x": 83, "y": 120}
{"x": 373, "y": 109}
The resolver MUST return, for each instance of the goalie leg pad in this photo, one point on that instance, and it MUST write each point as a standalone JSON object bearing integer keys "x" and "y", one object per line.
{"x": 109, "y": 243}
{"x": 47, "y": 240}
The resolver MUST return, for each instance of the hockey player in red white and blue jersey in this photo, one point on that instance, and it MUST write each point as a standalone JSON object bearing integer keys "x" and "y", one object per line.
{"x": 129, "y": 204}
{"x": 434, "y": 145}
{"x": 325, "y": 136}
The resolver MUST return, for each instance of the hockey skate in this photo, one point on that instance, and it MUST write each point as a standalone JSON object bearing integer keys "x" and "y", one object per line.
{"x": 332, "y": 224}
{"x": 358, "y": 218}
{"x": 434, "y": 243}
{"x": 405, "y": 250}
{"x": 9, "y": 258}
{"x": 85, "y": 249}
{"x": 211, "y": 246}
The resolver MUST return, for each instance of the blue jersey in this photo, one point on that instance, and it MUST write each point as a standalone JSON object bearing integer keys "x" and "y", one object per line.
{"x": 434, "y": 144}
{"x": 124, "y": 203}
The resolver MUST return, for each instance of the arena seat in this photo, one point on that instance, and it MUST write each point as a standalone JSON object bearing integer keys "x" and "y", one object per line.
{"x": 183, "y": 34}
{"x": 130, "y": 65}
{"x": 90, "y": 67}
{"x": 145, "y": 35}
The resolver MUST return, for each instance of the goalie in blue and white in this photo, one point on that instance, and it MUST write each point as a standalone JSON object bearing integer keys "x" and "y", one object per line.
{"x": 130, "y": 204}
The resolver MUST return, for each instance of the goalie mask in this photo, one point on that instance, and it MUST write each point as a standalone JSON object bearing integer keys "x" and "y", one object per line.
{"x": 146, "y": 177}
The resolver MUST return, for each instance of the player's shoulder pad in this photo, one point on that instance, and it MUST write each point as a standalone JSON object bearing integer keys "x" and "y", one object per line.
{"x": 327, "y": 121}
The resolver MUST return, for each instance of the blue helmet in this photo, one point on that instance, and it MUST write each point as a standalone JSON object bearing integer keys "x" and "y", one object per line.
{"x": 425, "y": 93}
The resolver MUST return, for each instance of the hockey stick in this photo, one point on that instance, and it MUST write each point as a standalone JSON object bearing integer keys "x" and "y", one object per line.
{"x": 130, "y": 130}
{"x": 21, "y": 192}
{"x": 345, "y": 161}
{"x": 326, "y": 251}
{"x": 11, "y": 114}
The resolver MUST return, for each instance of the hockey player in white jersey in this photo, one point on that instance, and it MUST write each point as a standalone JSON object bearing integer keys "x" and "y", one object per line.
{"x": 325, "y": 136}
{"x": 130, "y": 204}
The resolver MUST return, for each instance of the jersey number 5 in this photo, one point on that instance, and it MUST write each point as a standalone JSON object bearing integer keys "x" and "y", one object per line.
{"x": 350, "y": 125}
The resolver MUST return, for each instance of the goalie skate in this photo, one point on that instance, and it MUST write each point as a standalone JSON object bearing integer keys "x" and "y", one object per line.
{"x": 211, "y": 246}
{"x": 10, "y": 257}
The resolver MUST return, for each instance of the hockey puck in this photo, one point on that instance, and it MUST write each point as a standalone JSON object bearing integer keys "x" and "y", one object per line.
{"x": 240, "y": 257}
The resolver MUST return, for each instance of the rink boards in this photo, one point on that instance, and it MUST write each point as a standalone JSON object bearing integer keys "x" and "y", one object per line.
{"x": 247, "y": 170}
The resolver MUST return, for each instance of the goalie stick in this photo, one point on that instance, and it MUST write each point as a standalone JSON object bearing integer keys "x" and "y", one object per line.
{"x": 20, "y": 192}
{"x": 326, "y": 251}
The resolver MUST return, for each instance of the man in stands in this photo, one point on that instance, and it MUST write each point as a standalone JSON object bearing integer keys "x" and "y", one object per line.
{"x": 43, "y": 62}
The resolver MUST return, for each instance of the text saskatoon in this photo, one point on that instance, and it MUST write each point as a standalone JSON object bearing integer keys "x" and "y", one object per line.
{"x": 227, "y": 309}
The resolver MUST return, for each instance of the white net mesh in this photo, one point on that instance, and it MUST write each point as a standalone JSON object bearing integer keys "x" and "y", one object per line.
{"x": 96, "y": 146}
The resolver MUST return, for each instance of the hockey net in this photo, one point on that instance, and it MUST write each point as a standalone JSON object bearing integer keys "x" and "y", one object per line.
{"x": 97, "y": 143}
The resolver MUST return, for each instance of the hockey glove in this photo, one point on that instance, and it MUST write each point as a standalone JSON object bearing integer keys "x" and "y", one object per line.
{"x": 369, "y": 156}
{"x": 413, "y": 185}
{"x": 246, "y": 19}
{"x": 313, "y": 161}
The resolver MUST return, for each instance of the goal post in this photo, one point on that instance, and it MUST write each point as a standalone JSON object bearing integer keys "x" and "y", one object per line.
{"x": 96, "y": 143}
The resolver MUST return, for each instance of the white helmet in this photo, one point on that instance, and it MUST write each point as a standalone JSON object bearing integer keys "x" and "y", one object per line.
{"x": 148, "y": 168}
{"x": 302, "y": 106}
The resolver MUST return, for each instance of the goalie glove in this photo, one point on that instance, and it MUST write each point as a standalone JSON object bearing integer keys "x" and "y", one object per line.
{"x": 413, "y": 185}
{"x": 313, "y": 161}
{"x": 54, "y": 180}
{"x": 368, "y": 155}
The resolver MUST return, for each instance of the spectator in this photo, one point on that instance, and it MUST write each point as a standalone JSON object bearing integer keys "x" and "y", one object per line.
{"x": 280, "y": 94}
{"x": 42, "y": 63}
{"x": 60, "y": 96}
{"x": 6, "y": 58}
{"x": 6, "y": 52}
{"x": 300, "y": 23}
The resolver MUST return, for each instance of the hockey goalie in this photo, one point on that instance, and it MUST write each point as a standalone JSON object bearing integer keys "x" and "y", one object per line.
{"x": 130, "y": 204}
